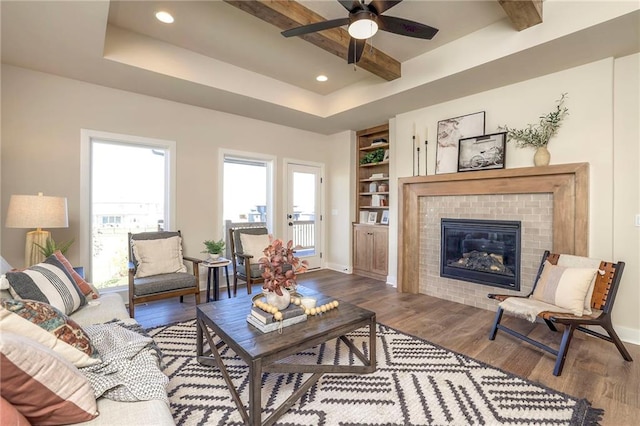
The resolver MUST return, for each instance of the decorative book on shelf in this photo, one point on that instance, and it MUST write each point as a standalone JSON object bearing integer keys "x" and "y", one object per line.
{"x": 266, "y": 328}
{"x": 267, "y": 318}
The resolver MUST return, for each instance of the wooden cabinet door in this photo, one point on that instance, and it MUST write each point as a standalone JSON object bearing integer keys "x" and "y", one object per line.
{"x": 379, "y": 248}
{"x": 361, "y": 248}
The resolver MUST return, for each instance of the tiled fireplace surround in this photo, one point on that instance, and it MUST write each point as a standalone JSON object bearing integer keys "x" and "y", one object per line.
{"x": 551, "y": 202}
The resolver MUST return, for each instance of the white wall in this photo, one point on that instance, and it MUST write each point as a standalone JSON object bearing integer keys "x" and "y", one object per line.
{"x": 341, "y": 151}
{"x": 587, "y": 135}
{"x": 41, "y": 122}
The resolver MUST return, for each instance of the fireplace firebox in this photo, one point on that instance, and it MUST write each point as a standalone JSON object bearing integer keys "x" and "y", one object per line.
{"x": 481, "y": 251}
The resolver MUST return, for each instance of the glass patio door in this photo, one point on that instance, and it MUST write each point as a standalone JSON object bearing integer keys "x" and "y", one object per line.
{"x": 303, "y": 215}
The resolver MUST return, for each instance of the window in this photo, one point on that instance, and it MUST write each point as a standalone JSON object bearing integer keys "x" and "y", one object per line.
{"x": 247, "y": 189}
{"x": 129, "y": 191}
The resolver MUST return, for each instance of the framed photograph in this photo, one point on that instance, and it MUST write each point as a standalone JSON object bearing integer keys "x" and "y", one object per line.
{"x": 386, "y": 155}
{"x": 385, "y": 217}
{"x": 482, "y": 152}
{"x": 373, "y": 217}
{"x": 450, "y": 131}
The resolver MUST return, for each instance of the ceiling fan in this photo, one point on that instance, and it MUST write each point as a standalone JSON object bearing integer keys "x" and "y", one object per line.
{"x": 364, "y": 20}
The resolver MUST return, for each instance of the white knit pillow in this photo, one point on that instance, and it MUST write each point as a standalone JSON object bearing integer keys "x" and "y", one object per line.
{"x": 254, "y": 245}
{"x": 564, "y": 287}
{"x": 160, "y": 256}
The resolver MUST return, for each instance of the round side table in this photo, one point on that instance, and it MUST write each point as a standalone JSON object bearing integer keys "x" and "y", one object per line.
{"x": 212, "y": 277}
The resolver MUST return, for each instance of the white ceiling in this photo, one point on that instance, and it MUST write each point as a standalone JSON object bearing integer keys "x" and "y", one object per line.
{"x": 216, "y": 56}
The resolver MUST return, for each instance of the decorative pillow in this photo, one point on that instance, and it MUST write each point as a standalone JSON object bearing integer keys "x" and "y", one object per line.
{"x": 572, "y": 261}
{"x": 9, "y": 414}
{"x": 161, "y": 256}
{"x": 41, "y": 385}
{"x": 47, "y": 282}
{"x": 84, "y": 286}
{"x": 564, "y": 287}
{"x": 49, "y": 327}
{"x": 254, "y": 245}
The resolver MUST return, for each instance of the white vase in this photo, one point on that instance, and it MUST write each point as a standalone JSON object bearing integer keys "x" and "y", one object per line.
{"x": 280, "y": 302}
{"x": 214, "y": 256}
{"x": 542, "y": 156}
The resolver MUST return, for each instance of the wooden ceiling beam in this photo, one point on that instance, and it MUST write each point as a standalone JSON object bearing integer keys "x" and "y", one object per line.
{"x": 523, "y": 13}
{"x": 290, "y": 14}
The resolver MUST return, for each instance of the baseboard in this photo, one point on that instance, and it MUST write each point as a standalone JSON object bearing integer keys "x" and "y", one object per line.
{"x": 628, "y": 334}
{"x": 345, "y": 269}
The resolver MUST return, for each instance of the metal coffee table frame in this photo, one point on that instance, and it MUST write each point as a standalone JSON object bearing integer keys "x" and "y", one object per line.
{"x": 262, "y": 352}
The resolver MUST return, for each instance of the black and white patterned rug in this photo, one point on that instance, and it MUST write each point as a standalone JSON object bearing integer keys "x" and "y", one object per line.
{"x": 416, "y": 383}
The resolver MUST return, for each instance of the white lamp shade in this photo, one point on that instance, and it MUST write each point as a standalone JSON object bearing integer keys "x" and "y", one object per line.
{"x": 37, "y": 211}
{"x": 363, "y": 29}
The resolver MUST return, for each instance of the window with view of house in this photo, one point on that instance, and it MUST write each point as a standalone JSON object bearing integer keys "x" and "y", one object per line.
{"x": 130, "y": 191}
{"x": 247, "y": 189}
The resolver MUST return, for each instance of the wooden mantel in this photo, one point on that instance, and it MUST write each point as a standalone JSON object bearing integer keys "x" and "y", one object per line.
{"x": 569, "y": 184}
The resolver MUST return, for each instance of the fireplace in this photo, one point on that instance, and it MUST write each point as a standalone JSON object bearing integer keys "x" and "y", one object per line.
{"x": 481, "y": 251}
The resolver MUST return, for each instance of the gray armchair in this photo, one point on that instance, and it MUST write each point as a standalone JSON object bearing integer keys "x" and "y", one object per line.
{"x": 155, "y": 269}
{"x": 245, "y": 264}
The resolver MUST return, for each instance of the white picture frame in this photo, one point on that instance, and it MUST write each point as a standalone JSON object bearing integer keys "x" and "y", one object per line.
{"x": 372, "y": 217}
{"x": 385, "y": 217}
{"x": 386, "y": 155}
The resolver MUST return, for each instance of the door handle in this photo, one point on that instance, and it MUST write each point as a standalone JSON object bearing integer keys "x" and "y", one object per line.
{"x": 289, "y": 216}
{"x": 290, "y": 223}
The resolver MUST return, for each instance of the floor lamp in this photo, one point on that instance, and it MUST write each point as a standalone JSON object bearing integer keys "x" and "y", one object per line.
{"x": 36, "y": 211}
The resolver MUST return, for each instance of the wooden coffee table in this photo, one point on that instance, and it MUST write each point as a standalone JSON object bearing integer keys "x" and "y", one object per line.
{"x": 225, "y": 323}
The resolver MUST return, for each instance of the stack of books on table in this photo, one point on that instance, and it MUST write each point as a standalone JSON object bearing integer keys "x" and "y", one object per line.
{"x": 215, "y": 261}
{"x": 265, "y": 322}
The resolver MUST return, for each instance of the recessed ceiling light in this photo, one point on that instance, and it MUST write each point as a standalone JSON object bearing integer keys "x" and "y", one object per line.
{"x": 165, "y": 17}
{"x": 322, "y": 78}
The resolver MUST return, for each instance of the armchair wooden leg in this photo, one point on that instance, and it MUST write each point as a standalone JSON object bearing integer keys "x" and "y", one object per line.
{"x": 198, "y": 297}
{"x": 494, "y": 329}
{"x": 564, "y": 347}
{"x": 131, "y": 308}
{"x": 616, "y": 341}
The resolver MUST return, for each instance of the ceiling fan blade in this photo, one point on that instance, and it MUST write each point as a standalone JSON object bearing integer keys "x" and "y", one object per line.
{"x": 355, "y": 50}
{"x": 405, "y": 27}
{"x": 318, "y": 26}
{"x": 382, "y": 5}
{"x": 349, "y": 4}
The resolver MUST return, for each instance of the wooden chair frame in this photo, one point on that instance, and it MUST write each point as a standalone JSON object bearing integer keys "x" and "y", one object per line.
{"x": 248, "y": 259}
{"x": 133, "y": 299}
{"x": 604, "y": 294}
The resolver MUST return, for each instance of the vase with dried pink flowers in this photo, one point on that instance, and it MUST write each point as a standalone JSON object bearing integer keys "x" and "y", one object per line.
{"x": 279, "y": 269}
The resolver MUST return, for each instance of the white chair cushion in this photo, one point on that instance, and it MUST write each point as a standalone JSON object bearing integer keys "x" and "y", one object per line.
{"x": 160, "y": 256}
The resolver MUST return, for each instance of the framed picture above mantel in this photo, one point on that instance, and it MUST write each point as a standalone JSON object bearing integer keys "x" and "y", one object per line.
{"x": 482, "y": 152}
{"x": 450, "y": 131}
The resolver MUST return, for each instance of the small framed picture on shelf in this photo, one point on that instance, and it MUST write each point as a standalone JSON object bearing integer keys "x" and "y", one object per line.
{"x": 364, "y": 216}
{"x": 482, "y": 152}
{"x": 372, "y": 218}
{"x": 386, "y": 155}
{"x": 385, "y": 217}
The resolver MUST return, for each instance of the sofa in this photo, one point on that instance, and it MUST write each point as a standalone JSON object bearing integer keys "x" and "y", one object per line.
{"x": 97, "y": 309}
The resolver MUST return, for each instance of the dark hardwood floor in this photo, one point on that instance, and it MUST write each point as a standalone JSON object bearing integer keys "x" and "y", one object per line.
{"x": 594, "y": 368}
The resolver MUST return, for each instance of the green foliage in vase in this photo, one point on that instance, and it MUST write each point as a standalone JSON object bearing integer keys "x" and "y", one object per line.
{"x": 373, "y": 157}
{"x": 214, "y": 247}
{"x": 50, "y": 246}
{"x": 538, "y": 135}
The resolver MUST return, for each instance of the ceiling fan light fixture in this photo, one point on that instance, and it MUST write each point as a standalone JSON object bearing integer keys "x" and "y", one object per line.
{"x": 363, "y": 25}
{"x": 164, "y": 16}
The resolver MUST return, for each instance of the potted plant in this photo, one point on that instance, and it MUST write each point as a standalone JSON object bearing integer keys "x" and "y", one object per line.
{"x": 538, "y": 135}
{"x": 214, "y": 248}
{"x": 279, "y": 268}
{"x": 50, "y": 247}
